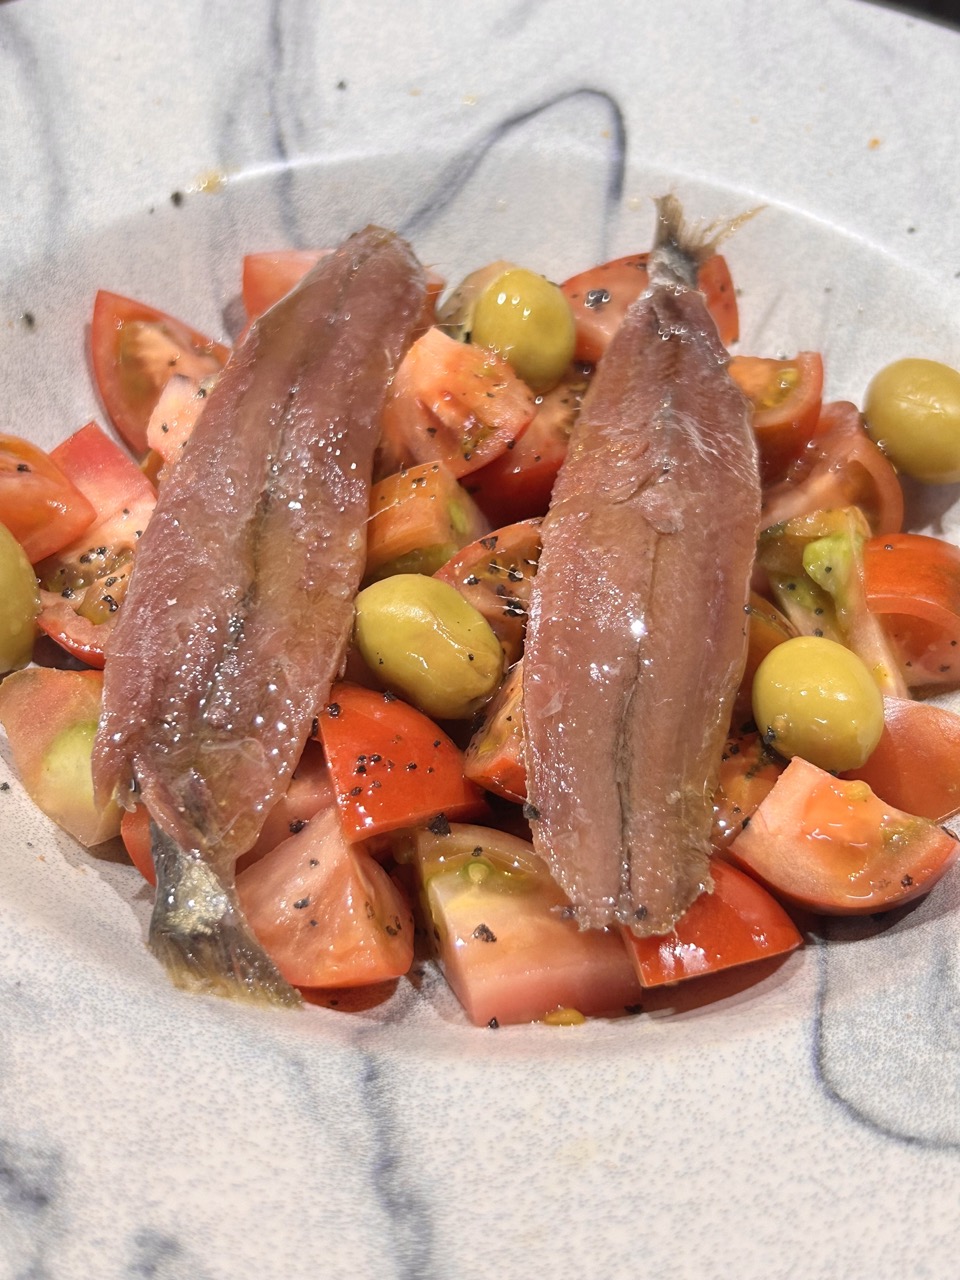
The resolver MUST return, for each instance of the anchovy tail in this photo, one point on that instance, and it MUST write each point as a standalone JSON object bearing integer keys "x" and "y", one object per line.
{"x": 679, "y": 248}
{"x": 200, "y": 935}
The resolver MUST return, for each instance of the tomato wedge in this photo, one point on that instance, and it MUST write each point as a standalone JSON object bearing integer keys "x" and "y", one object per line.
{"x": 786, "y": 399}
{"x": 418, "y": 518}
{"x": 495, "y": 574}
{"x": 748, "y": 771}
{"x": 916, "y": 763}
{"x": 520, "y": 481}
{"x": 913, "y": 581}
{"x": 50, "y": 718}
{"x": 391, "y": 766}
{"x": 833, "y": 846}
{"x": 91, "y": 574}
{"x": 452, "y": 403}
{"x": 325, "y": 911}
{"x": 268, "y": 277}
{"x": 40, "y": 506}
{"x": 739, "y": 923}
{"x": 840, "y": 467}
{"x": 494, "y": 758}
{"x": 134, "y": 349}
{"x": 599, "y": 299}
{"x": 504, "y": 943}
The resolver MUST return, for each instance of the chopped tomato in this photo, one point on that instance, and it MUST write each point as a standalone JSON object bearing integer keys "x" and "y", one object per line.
{"x": 519, "y": 483}
{"x": 391, "y": 766}
{"x": 748, "y": 771}
{"x": 913, "y": 582}
{"x": 92, "y": 573}
{"x": 175, "y": 415}
{"x": 786, "y": 398}
{"x": 833, "y": 846}
{"x": 766, "y": 628}
{"x": 738, "y": 923}
{"x": 495, "y": 574}
{"x": 494, "y": 758}
{"x": 840, "y": 467}
{"x": 309, "y": 791}
{"x": 916, "y": 763}
{"x": 135, "y": 834}
{"x": 600, "y": 297}
{"x": 135, "y": 348}
{"x": 452, "y": 403}
{"x": 73, "y": 632}
{"x": 51, "y": 718}
{"x": 419, "y": 517}
{"x": 38, "y": 504}
{"x": 503, "y": 941}
{"x": 268, "y": 277}
{"x": 325, "y": 911}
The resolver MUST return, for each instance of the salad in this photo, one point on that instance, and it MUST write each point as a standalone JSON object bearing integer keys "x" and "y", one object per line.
{"x": 406, "y": 827}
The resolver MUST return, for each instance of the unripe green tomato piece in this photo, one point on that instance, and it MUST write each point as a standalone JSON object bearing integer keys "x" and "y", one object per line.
{"x": 19, "y": 604}
{"x": 424, "y": 641}
{"x": 912, "y": 411}
{"x": 814, "y": 698}
{"x": 528, "y": 321}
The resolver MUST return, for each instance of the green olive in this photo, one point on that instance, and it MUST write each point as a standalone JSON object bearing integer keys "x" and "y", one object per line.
{"x": 455, "y": 314}
{"x": 19, "y": 604}
{"x": 912, "y": 410}
{"x": 529, "y": 321}
{"x": 423, "y": 640}
{"x": 814, "y": 698}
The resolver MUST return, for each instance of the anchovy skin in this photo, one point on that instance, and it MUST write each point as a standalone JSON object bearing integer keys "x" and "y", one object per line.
{"x": 241, "y": 600}
{"x": 636, "y": 637}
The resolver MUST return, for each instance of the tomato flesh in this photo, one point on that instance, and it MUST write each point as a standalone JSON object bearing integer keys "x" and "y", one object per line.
{"x": 840, "y": 467}
{"x": 495, "y": 574}
{"x": 391, "y": 766}
{"x": 451, "y": 403}
{"x": 738, "y": 923}
{"x": 40, "y": 506}
{"x": 134, "y": 350}
{"x": 916, "y": 764}
{"x": 832, "y": 846}
{"x": 325, "y": 911}
{"x": 494, "y": 757}
{"x": 51, "y": 718}
{"x": 785, "y": 396}
{"x": 503, "y": 941}
{"x": 913, "y": 582}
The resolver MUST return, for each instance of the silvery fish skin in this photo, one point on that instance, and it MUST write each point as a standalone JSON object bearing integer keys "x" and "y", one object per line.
{"x": 636, "y": 639}
{"x": 241, "y": 601}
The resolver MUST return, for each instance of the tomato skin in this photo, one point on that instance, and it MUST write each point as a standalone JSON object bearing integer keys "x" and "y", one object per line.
{"x": 135, "y": 834}
{"x": 40, "y": 505}
{"x": 840, "y": 467}
{"x": 452, "y": 403}
{"x": 916, "y": 764}
{"x": 785, "y": 396}
{"x": 913, "y": 582}
{"x": 504, "y": 944}
{"x": 600, "y": 297}
{"x": 325, "y": 911}
{"x": 134, "y": 349}
{"x": 832, "y": 846}
{"x": 495, "y": 574}
{"x": 391, "y": 766}
{"x": 738, "y": 923}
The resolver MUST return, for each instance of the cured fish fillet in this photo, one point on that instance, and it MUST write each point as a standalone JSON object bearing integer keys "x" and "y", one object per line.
{"x": 636, "y": 638}
{"x": 241, "y": 601}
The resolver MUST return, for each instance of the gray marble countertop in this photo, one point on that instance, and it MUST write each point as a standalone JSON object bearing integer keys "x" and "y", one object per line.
{"x": 806, "y": 1127}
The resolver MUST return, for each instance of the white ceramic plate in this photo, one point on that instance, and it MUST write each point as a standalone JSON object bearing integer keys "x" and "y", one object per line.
{"x": 806, "y": 1126}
